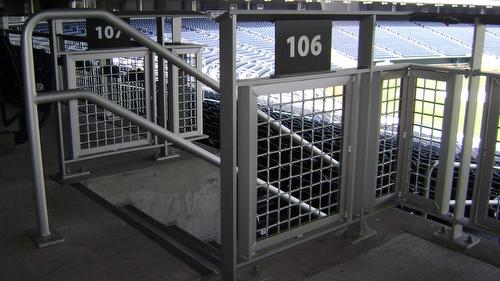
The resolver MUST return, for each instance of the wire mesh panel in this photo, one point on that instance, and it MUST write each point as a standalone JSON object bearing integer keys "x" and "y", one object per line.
{"x": 428, "y": 116}
{"x": 298, "y": 158}
{"x": 188, "y": 97}
{"x": 389, "y": 134}
{"x": 120, "y": 77}
{"x": 494, "y": 186}
{"x": 186, "y": 94}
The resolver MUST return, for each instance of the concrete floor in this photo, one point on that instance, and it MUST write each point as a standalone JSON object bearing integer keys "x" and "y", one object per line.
{"x": 100, "y": 246}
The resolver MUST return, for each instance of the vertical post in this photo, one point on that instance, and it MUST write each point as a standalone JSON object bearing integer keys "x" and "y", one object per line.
{"x": 42, "y": 236}
{"x": 405, "y": 139}
{"x": 173, "y": 90}
{"x": 176, "y": 30}
{"x": 228, "y": 145}
{"x": 139, "y": 5}
{"x": 247, "y": 170}
{"x": 470, "y": 118}
{"x": 55, "y": 46}
{"x": 361, "y": 130}
{"x": 448, "y": 143}
{"x": 161, "y": 104}
{"x": 4, "y": 25}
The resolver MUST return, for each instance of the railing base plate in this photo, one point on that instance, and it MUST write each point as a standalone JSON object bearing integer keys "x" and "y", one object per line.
{"x": 355, "y": 234}
{"x": 42, "y": 242}
{"x": 463, "y": 242}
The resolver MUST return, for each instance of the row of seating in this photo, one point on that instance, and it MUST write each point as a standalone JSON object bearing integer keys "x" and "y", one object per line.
{"x": 255, "y": 51}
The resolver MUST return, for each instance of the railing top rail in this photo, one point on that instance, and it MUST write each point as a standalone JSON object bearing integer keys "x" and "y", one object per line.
{"x": 27, "y": 51}
{"x": 313, "y": 76}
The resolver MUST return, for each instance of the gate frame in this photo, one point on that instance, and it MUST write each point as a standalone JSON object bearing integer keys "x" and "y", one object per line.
{"x": 448, "y": 144}
{"x": 248, "y": 91}
{"x": 379, "y": 78}
{"x": 70, "y": 83}
{"x": 487, "y": 148}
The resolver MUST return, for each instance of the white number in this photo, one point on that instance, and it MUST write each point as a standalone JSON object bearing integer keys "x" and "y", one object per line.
{"x": 316, "y": 47}
{"x": 304, "y": 47}
{"x": 99, "y": 32}
{"x": 291, "y": 41}
{"x": 109, "y": 32}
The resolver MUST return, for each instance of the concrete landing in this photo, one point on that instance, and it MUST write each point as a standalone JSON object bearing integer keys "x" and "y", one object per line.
{"x": 408, "y": 257}
{"x": 183, "y": 191}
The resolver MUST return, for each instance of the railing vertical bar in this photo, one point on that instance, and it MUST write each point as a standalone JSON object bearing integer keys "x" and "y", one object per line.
{"x": 448, "y": 143}
{"x": 247, "y": 172}
{"x": 470, "y": 120}
{"x": 228, "y": 145}
{"x": 161, "y": 104}
{"x": 55, "y": 46}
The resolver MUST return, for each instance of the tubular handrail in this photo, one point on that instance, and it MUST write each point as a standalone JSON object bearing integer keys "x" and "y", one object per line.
{"x": 164, "y": 133}
{"x": 30, "y": 89}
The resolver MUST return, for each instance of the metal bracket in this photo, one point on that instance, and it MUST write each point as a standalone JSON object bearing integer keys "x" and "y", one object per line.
{"x": 463, "y": 242}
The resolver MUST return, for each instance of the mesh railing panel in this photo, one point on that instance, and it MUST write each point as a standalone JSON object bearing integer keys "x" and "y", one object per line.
{"x": 428, "y": 114}
{"x": 494, "y": 192}
{"x": 389, "y": 133}
{"x": 188, "y": 104}
{"x": 316, "y": 116}
{"x": 121, "y": 80}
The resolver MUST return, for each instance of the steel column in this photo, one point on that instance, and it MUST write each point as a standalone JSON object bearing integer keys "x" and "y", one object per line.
{"x": 160, "y": 90}
{"x": 228, "y": 145}
{"x": 361, "y": 129}
{"x": 176, "y": 30}
{"x": 470, "y": 117}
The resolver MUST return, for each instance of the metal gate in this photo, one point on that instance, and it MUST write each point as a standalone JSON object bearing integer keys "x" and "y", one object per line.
{"x": 119, "y": 75}
{"x": 290, "y": 150}
{"x": 185, "y": 93}
{"x": 430, "y": 143}
{"x": 391, "y": 98}
{"x": 488, "y": 210}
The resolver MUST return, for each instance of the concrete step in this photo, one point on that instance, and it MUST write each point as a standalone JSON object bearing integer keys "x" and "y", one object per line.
{"x": 200, "y": 256}
{"x": 206, "y": 250}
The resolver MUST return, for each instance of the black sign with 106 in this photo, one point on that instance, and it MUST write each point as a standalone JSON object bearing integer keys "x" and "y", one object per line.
{"x": 302, "y": 46}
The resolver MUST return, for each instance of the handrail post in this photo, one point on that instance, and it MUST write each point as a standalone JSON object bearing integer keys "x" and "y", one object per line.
{"x": 42, "y": 236}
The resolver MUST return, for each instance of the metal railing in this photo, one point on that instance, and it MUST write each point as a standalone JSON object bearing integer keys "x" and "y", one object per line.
{"x": 30, "y": 94}
{"x": 32, "y": 99}
{"x": 345, "y": 196}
